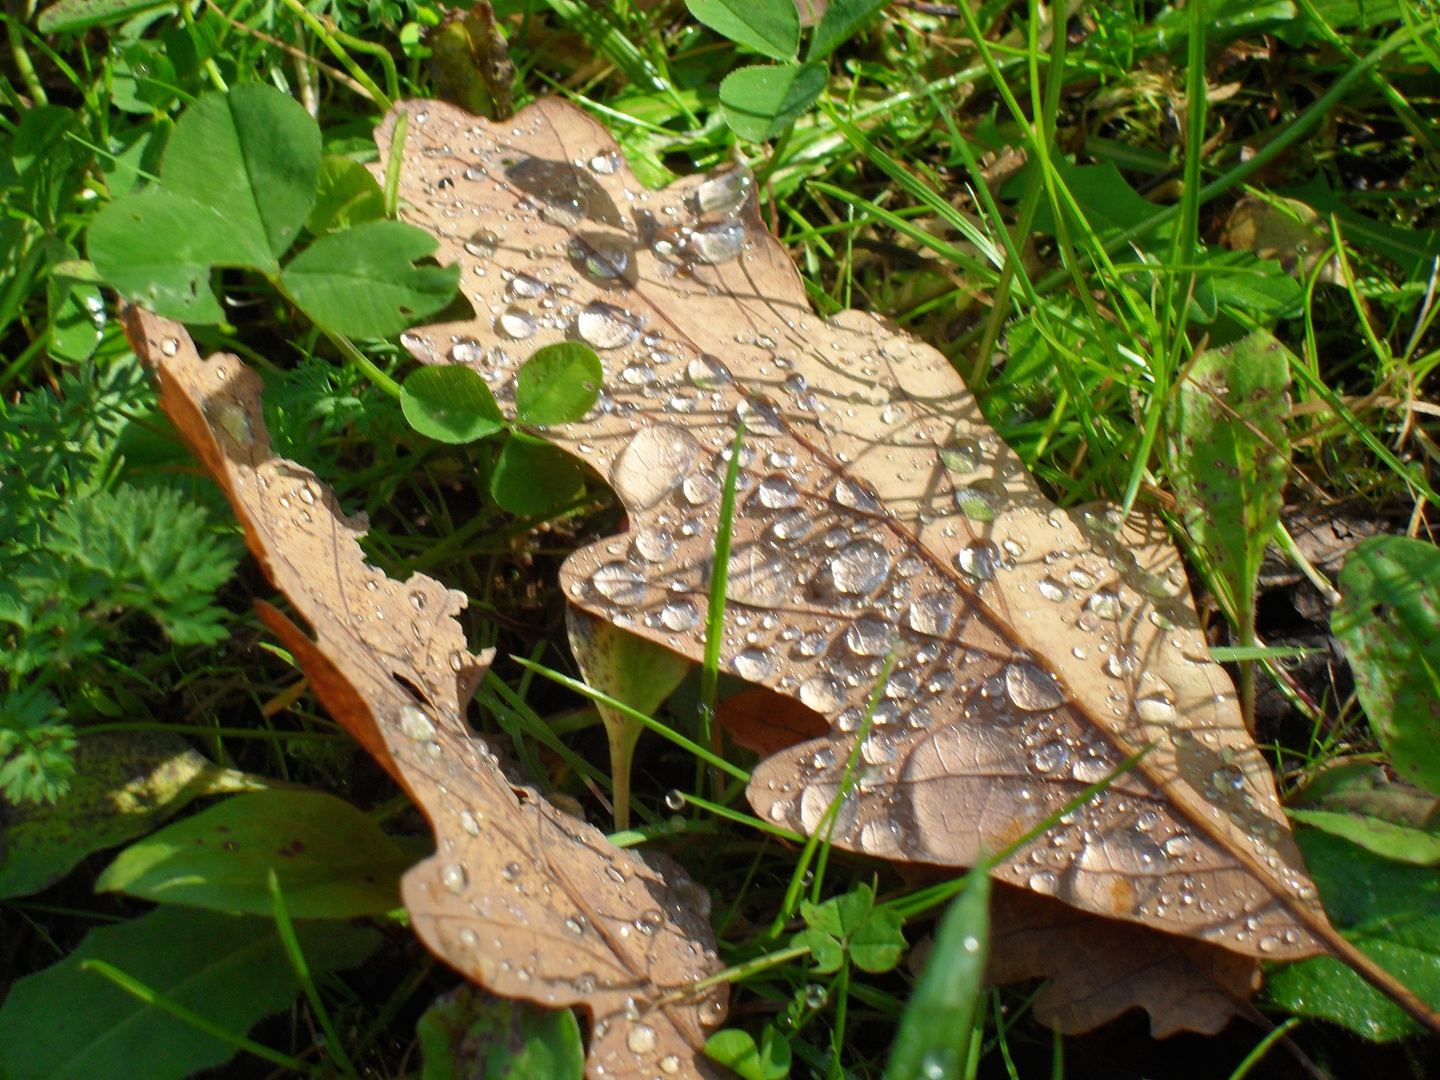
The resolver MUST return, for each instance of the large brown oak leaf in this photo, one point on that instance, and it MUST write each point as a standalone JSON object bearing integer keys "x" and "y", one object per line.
{"x": 520, "y": 896}
{"x": 1039, "y": 647}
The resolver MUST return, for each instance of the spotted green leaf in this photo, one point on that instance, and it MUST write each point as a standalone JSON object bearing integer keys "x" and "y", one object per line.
{"x": 332, "y": 861}
{"x": 1392, "y": 912}
{"x": 65, "y": 1023}
{"x": 1229, "y": 458}
{"x": 125, "y": 784}
{"x": 467, "y": 1034}
{"x": 1388, "y": 620}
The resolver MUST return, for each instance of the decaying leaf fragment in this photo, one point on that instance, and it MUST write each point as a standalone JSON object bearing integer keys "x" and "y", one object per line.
{"x": 1096, "y": 969}
{"x": 1038, "y": 648}
{"x": 524, "y": 899}
{"x": 1100, "y": 968}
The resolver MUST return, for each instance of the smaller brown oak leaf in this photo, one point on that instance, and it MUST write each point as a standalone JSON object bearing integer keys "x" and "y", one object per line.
{"x": 520, "y": 897}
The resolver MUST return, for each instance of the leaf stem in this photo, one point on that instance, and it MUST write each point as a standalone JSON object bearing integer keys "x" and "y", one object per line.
{"x": 363, "y": 362}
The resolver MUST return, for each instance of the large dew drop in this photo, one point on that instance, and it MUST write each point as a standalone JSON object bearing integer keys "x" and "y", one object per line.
{"x": 723, "y": 194}
{"x": 718, "y": 243}
{"x": 517, "y": 323}
{"x": 822, "y": 693}
{"x": 869, "y": 636}
{"x": 605, "y": 327}
{"x": 931, "y": 614}
{"x": 620, "y": 583}
{"x": 857, "y": 569}
{"x": 482, "y": 243}
{"x": 653, "y": 465}
{"x": 777, "y": 493}
{"x": 1032, "y": 689}
{"x": 758, "y": 578}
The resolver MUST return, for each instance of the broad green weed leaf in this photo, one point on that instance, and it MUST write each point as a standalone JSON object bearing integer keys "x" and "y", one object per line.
{"x": 1388, "y": 619}
{"x": 76, "y": 309}
{"x": 65, "y": 1023}
{"x": 532, "y": 478}
{"x": 1392, "y": 911}
{"x": 1229, "y": 459}
{"x": 70, "y": 15}
{"x": 333, "y": 862}
{"x": 1109, "y": 204}
{"x": 124, "y": 785}
{"x": 1410, "y": 249}
{"x": 1386, "y": 839}
{"x": 157, "y": 247}
{"x": 450, "y": 404}
{"x": 364, "y": 281}
{"x": 558, "y": 384}
{"x": 253, "y": 154}
{"x": 348, "y": 194}
{"x": 1260, "y": 289}
{"x": 468, "y": 1034}
{"x": 761, "y": 102}
{"x": 877, "y": 943}
{"x": 934, "y": 1035}
{"x": 770, "y": 27}
{"x": 1363, "y": 787}
{"x": 736, "y": 1048}
{"x": 841, "y": 19}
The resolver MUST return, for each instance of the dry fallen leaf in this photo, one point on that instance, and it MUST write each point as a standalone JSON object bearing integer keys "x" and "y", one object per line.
{"x": 1100, "y": 968}
{"x": 765, "y": 722}
{"x": 521, "y": 897}
{"x": 1096, "y": 968}
{"x": 1039, "y": 648}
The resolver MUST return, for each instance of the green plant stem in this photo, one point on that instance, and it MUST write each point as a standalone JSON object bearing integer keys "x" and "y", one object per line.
{"x": 1262, "y": 1048}
{"x": 25, "y": 66}
{"x": 212, "y": 71}
{"x": 710, "y": 730}
{"x": 776, "y": 153}
{"x": 356, "y": 71}
{"x": 622, "y": 739}
{"x": 734, "y": 974}
{"x": 333, "y": 1046}
{"x": 157, "y": 1000}
{"x": 364, "y": 363}
{"x": 395, "y": 162}
{"x": 392, "y": 78}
